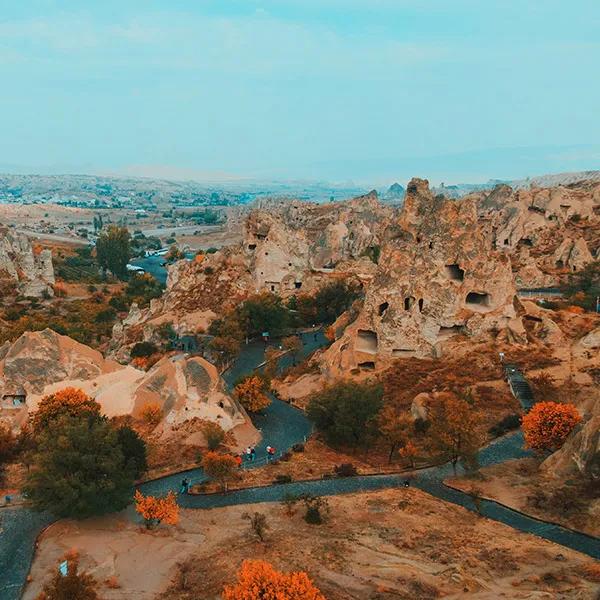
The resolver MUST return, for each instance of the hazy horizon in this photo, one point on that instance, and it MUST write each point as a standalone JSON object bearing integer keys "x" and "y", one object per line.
{"x": 368, "y": 92}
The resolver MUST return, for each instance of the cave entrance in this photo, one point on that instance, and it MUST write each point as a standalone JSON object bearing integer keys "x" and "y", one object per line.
{"x": 297, "y": 284}
{"x": 455, "y": 273}
{"x": 408, "y": 302}
{"x": 478, "y": 300}
{"x": 366, "y": 341}
{"x": 251, "y": 246}
{"x": 382, "y": 308}
{"x": 446, "y": 332}
{"x": 367, "y": 366}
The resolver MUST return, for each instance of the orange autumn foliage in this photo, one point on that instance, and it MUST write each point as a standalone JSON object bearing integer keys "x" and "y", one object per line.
{"x": 547, "y": 425}
{"x": 152, "y": 413}
{"x": 157, "y": 510}
{"x": 70, "y": 401}
{"x": 198, "y": 258}
{"x": 250, "y": 393}
{"x": 221, "y": 467}
{"x": 409, "y": 451}
{"x": 258, "y": 580}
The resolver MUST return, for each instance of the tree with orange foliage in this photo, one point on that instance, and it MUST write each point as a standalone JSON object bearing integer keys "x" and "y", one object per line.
{"x": 408, "y": 452}
{"x": 68, "y": 401}
{"x": 453, "y": 431}
{"x": 157, "y": 510}
{"x": 152, "y": 413}
{"x": 395, "y": 427}
{"x": 251, "y": 394}
{"x": 547, "y": 425}
{"x": 258, "y": 580}
{"x": 221, "y": 467}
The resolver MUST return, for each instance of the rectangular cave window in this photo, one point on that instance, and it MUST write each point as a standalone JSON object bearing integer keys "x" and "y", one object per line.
{"x": 527, "y": 242}
{"x": 478, "y": 299}
{"x": 506, "y": 241}
{"x": 383, "y": 307}
{"x": 251, "y": 246}
{"x": 446, "y": 332}
{"x": 403, "y": 352}
{"x": 272, "y": 288}
{"x": 261, "y": 236}
{"x": 455, "y": 273}
{"x": 366, "y": 341}
{"x": 367, "y": 366}
{"x": 421, "y": 304}
{"x": 408, "y": 302}
{"x": 297, "y": 284}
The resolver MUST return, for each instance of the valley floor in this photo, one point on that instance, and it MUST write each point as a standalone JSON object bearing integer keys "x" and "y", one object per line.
{"x": 392, "y": 544}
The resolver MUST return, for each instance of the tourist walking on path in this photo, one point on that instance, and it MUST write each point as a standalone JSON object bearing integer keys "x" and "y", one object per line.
{"x": 185, "y": 486}
{"x": 270, "y": 453}
{"x": 252, "y": 453}
{"x": 248, "y": 453}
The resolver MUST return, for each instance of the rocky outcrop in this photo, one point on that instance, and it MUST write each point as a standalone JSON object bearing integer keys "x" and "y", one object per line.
{"x": 31, "y": 271}
{"x": 438, "y": 277}
{"x": 298, "y": 246}
{"x": 185, "y": 388}
{"x": 573, "y": 255}
{"x": 580, "y": 454}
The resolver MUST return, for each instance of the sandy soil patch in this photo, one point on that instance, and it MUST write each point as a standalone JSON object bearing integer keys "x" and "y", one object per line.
{"x": 381, "y": 545}
{"x": 514, "y": 482}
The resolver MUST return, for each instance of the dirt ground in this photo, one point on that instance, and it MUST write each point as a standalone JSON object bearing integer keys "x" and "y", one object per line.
{"x": 394, "y": 544}
{"x": 512, "y": 482}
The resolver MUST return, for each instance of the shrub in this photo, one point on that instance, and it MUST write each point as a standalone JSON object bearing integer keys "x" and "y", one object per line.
{"x": 317, "y": 509}
{"x": 214, "y": 434}
{"x": 157, "y": 510}
{"x": 134, "y": 450}
{"x": 258, "y": 524}
{"x": 258, "y": 580}
{"x": 143, "y": 350}
{"x": 298, "y": 448}
{"x": 74, "y": 585}
{"x": 221, "y": 467}
{"x": 345, "y": 470}
{"x": 282, "y": 478}
{"x": 152, "y": 413}
{"x": 548, "y": 424}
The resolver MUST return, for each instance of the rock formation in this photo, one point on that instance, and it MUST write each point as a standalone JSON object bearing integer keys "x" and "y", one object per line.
{"x": 580, "y": 454}
{"x": 299, "y": 246}
{"x": 438, "y": 277}
{"x": 184, "y": 387}
{"x": 547, "y": 231}
{"x": 23, "y": 266}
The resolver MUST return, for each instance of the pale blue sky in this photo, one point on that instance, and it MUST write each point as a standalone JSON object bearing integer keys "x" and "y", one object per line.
{"x": 362, "y": 90}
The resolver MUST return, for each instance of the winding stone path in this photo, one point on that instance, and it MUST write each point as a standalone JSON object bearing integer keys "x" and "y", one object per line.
{"x": 282, "y": 426}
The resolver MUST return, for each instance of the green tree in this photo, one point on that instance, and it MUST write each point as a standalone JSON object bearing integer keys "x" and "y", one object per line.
{"x": 346, "y": 412}
{"x": 79, "y": 469}
{"x": 113, "y": 250}
{"x": 134, "y": 451}
{"x": 263, "y": 312}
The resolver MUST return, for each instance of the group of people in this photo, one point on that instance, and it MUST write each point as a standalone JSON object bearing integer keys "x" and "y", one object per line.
{"x": 250, "y": 454}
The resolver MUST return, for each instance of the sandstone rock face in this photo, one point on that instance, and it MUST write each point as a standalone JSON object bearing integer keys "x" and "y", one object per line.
{"x": 438, "y": 277}
{"x": 580, "y": 454}
{"x": 44, "y": 362}
{"x": 295, "y": 247}
{"x": 572, "y": 254}
{"x": 30, "y": 271}
{"x": 547, "y": 231}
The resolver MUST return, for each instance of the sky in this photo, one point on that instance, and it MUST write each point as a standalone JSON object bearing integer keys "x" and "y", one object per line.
{"x": 368, "y": 91}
